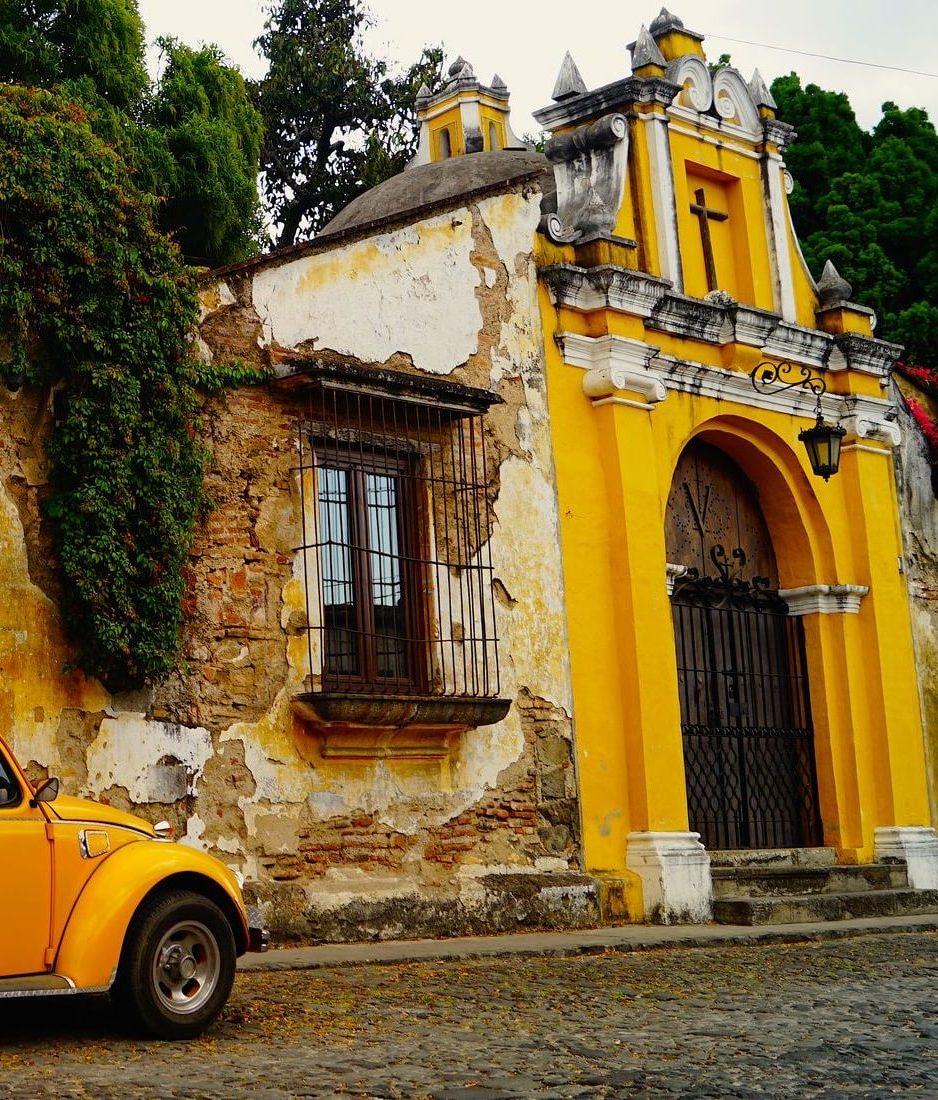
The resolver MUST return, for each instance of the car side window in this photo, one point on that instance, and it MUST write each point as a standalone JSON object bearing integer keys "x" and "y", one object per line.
{"x": 9, "y": 787}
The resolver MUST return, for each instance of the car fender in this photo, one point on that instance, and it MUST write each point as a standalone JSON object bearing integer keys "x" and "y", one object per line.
{"x": 91, "y": 943}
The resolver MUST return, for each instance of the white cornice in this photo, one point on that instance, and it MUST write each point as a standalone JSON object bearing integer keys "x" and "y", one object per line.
{"x": 824, "y": 599}
{"x": 614, "y": 363}
{"x": 606, "y": 286}
{"x": 619, "y": 363}
{"x": 714, "y": 320}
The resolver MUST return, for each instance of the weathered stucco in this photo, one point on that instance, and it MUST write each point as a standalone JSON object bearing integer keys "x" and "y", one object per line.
{"x": 37, "y": 695}
{"x": 379, "y": 296}
{"x": 337, "y": 848}
{"x": 919, "y": 521}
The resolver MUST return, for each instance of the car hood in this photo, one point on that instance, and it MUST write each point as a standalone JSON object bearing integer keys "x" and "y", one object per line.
{"x": 81, "y": 809}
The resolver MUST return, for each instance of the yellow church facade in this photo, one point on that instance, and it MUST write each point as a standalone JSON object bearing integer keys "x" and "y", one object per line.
{"x": 740, "y": 642}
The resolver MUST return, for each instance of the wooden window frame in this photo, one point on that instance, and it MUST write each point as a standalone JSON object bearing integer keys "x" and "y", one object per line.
{"x": 357, "y": 462}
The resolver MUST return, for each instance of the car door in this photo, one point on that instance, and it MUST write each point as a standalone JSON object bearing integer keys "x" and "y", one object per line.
{"x": 26, "y": 866}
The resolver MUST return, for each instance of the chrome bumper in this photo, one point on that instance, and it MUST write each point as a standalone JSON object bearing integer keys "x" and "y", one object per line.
{"x": 258, "y": 935}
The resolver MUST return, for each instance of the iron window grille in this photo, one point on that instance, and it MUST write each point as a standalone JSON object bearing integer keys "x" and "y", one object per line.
{"x": 397, "y": 523}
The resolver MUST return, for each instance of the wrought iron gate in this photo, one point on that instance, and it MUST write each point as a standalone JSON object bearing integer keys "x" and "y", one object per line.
{"x": 745, "y": 712}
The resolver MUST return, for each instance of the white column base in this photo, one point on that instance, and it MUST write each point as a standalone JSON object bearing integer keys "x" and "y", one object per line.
{"x": 917, "y": 845}
{"x": 675, "y": 873}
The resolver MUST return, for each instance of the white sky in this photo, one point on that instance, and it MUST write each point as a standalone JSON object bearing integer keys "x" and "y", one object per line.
{"x": 525, "y": 43}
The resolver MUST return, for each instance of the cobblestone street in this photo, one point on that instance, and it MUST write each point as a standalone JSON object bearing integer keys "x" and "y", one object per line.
{"x": 845, "y": 1016}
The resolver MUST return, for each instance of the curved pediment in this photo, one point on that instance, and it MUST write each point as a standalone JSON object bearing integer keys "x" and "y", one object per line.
{"x": 696, "y": 86}
{"x": 732, "y": 101}
{"x": 723, "y": 95}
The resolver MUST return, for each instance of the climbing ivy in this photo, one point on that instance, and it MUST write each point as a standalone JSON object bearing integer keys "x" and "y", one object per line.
{"x": 97, "y": 306}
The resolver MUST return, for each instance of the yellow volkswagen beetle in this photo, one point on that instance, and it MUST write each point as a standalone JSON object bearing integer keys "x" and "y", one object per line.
{"x": 97, "y": 899}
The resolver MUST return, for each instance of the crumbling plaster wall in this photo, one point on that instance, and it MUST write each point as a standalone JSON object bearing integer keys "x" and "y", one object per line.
{"x": 919, "y": 519}
{"x": 338, "y": 848}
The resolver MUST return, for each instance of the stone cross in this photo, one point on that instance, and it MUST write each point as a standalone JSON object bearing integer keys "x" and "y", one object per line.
{"x": 705, "y": 216}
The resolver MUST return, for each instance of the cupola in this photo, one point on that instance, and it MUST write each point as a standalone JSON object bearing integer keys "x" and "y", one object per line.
{"x": 465, "y": 116}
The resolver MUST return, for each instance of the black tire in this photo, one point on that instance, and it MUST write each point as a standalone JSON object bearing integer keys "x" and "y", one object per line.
{"x": 177, "y": 965}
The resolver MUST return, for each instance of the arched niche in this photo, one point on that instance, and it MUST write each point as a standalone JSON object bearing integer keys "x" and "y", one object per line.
{"x": 714, "y": 519}
{"x": 799, "y": 532}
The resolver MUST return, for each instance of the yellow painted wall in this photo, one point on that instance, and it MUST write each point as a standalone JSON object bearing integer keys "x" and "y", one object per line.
{"x": 614, "y": 468}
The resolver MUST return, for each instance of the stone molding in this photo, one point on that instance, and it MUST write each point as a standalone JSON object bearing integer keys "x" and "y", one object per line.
{"x": 643, "y": 367}
{"x": 606, "y": 286}
{"x": 621, "y": 95}
{"x": 613, "y": 363}
{"x": 673, "y": 573}
{"x": 674, "y": 869}
{"x": 752, "y": 326}
{"x": 864, "y": 354}
{"x": 824, "y": 599}
{"x": 714, "y": 320}
{"x": 917, "y": 845}
{"x": 695, "y": 318}
{"x": 805, "y": 345}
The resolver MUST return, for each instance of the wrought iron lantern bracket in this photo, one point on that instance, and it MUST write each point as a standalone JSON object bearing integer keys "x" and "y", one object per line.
{"x": 822, "y": 441}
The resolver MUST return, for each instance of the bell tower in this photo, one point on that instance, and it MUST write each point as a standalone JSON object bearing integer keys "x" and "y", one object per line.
{"x": 465, "y": 116}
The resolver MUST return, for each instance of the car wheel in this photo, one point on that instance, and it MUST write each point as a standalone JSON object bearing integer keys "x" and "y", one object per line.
{"x": 177, "y": 965}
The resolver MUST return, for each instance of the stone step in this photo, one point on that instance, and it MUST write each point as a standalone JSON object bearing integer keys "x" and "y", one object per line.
{"x": 774, "y": 857}
{"x": 811, "y": 908}
{"x": 842, "y": 879}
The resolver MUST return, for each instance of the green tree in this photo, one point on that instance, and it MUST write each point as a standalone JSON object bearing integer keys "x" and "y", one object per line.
{"x": 830, "y": 142}
{"x": 335, "y": 120}
{"x": 193, "y": 140}
{"x": 201, "y": 150}
{"x": 93, "y": 48}
{"x": 869, "y": 203}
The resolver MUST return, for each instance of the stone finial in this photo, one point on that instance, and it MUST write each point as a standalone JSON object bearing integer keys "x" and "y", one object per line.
{"x": 832, "y": 287}
{"x": 663, "y": 22}
{"x": 569, "y": 82}
{"x": 645, "y": 51}
{"x": 498, "y": 85}
{"x": 761, "y": 95}
{"x": 423, "y": 95}
{"x": 461, "y": 70}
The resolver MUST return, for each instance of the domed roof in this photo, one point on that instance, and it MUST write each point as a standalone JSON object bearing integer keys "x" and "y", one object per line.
{"x": 440, "y": 183}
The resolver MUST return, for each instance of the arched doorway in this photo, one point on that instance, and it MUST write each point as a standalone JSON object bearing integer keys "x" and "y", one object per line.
{"x": 745, "y": 708}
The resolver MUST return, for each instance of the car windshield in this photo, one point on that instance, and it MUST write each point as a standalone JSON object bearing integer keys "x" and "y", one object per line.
{"x": 9, "y": 788}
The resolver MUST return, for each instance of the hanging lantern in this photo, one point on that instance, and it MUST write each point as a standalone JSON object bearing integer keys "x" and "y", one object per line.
{"x": 822, "y": 442}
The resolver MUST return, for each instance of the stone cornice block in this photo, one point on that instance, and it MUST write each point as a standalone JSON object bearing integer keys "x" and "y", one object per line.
{"x": 869, "y": 418}
{"x": 824, "y": 599}
{"x": 591, "y": 352}
{"x": 605, "y": 287}
{"x": 803, "y": 345}
{"x": 751, "y": 326}
{"x": 680, "y": 315}
{"x": 618, "y": 96}
{"x": 778, "y": 133}
{"x": 866, "y": 354}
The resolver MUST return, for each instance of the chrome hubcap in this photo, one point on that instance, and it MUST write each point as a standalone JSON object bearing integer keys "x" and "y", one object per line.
{"x": 186, "y": 967}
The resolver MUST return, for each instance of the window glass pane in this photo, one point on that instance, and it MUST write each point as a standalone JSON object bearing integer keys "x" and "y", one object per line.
{"x": 386, "y": 579}
{"x": 341, "y": 642}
